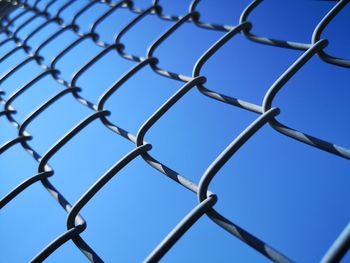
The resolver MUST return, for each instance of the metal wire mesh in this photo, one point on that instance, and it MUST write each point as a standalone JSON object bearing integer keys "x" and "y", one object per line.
{"x": 206, "y": 199}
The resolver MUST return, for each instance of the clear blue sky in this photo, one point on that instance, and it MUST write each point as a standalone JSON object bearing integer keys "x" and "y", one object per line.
{"x": 288, "y": 194}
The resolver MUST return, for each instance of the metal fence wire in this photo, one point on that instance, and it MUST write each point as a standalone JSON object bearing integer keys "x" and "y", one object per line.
{"x": 206, "y": 200}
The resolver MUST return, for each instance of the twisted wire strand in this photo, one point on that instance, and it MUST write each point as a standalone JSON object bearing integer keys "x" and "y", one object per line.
{"x": 207, "y": 200}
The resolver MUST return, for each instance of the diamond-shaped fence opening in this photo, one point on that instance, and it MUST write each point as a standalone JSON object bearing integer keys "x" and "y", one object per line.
{"x": 106, "y": 96}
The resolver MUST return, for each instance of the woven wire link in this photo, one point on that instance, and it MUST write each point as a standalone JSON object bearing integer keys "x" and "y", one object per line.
{"x": 266, "y": 113}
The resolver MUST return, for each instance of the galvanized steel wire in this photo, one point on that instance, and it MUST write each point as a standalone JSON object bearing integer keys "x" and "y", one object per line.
{"x": 266, "y": 112}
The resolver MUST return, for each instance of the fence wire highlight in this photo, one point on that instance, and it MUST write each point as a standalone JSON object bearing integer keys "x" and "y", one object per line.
{"x": 265, "y": 112}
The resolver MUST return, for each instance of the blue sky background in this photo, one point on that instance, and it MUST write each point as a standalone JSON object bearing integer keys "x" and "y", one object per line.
{"x": 288, "y": 194}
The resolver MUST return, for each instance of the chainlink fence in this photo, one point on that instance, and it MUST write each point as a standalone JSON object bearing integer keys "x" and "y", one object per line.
{"x": 206, "y": 199}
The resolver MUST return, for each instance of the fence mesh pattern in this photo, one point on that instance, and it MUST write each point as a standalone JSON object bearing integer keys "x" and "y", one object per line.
{"x": 206, "y": 199}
